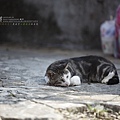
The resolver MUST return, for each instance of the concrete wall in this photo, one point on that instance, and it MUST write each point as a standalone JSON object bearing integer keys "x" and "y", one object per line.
{"x": 72, "y": 24}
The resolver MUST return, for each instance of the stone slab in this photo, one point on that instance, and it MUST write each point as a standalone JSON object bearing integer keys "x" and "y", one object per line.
{"x": 28, "y": 110}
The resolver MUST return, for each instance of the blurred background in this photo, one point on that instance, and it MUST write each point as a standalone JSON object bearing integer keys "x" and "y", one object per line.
{"x": 63, "y": 24}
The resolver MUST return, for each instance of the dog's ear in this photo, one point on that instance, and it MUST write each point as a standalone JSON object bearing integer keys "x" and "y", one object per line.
{"x": 50, "y": 74}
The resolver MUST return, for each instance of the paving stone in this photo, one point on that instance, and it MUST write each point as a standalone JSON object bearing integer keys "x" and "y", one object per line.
{"x": 61, "y": 104}
{"x": 28, "y": 110}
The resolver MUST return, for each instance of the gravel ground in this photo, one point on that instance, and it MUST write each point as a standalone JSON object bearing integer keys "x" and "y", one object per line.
{"x": 97, "y": 112}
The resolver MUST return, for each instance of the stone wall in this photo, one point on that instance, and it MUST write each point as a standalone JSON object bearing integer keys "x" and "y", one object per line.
{"x": 62, "y": 23}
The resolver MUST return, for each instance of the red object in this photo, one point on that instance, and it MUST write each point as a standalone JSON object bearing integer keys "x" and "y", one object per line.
{"x": 117, "y": 34}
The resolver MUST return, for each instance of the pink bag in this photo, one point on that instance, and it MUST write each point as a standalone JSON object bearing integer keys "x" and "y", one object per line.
{"x": 117, "y": 34}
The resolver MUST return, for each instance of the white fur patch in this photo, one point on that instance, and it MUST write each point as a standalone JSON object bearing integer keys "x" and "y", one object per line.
{"x": 66, "y": 77}
{"x": 75, "y": 80}
{"x": 46, "y": 79}
{"x": 106, "y": 79}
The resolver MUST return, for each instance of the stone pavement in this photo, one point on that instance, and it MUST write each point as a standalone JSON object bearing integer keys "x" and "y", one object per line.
{"x": 24, "y": 94}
